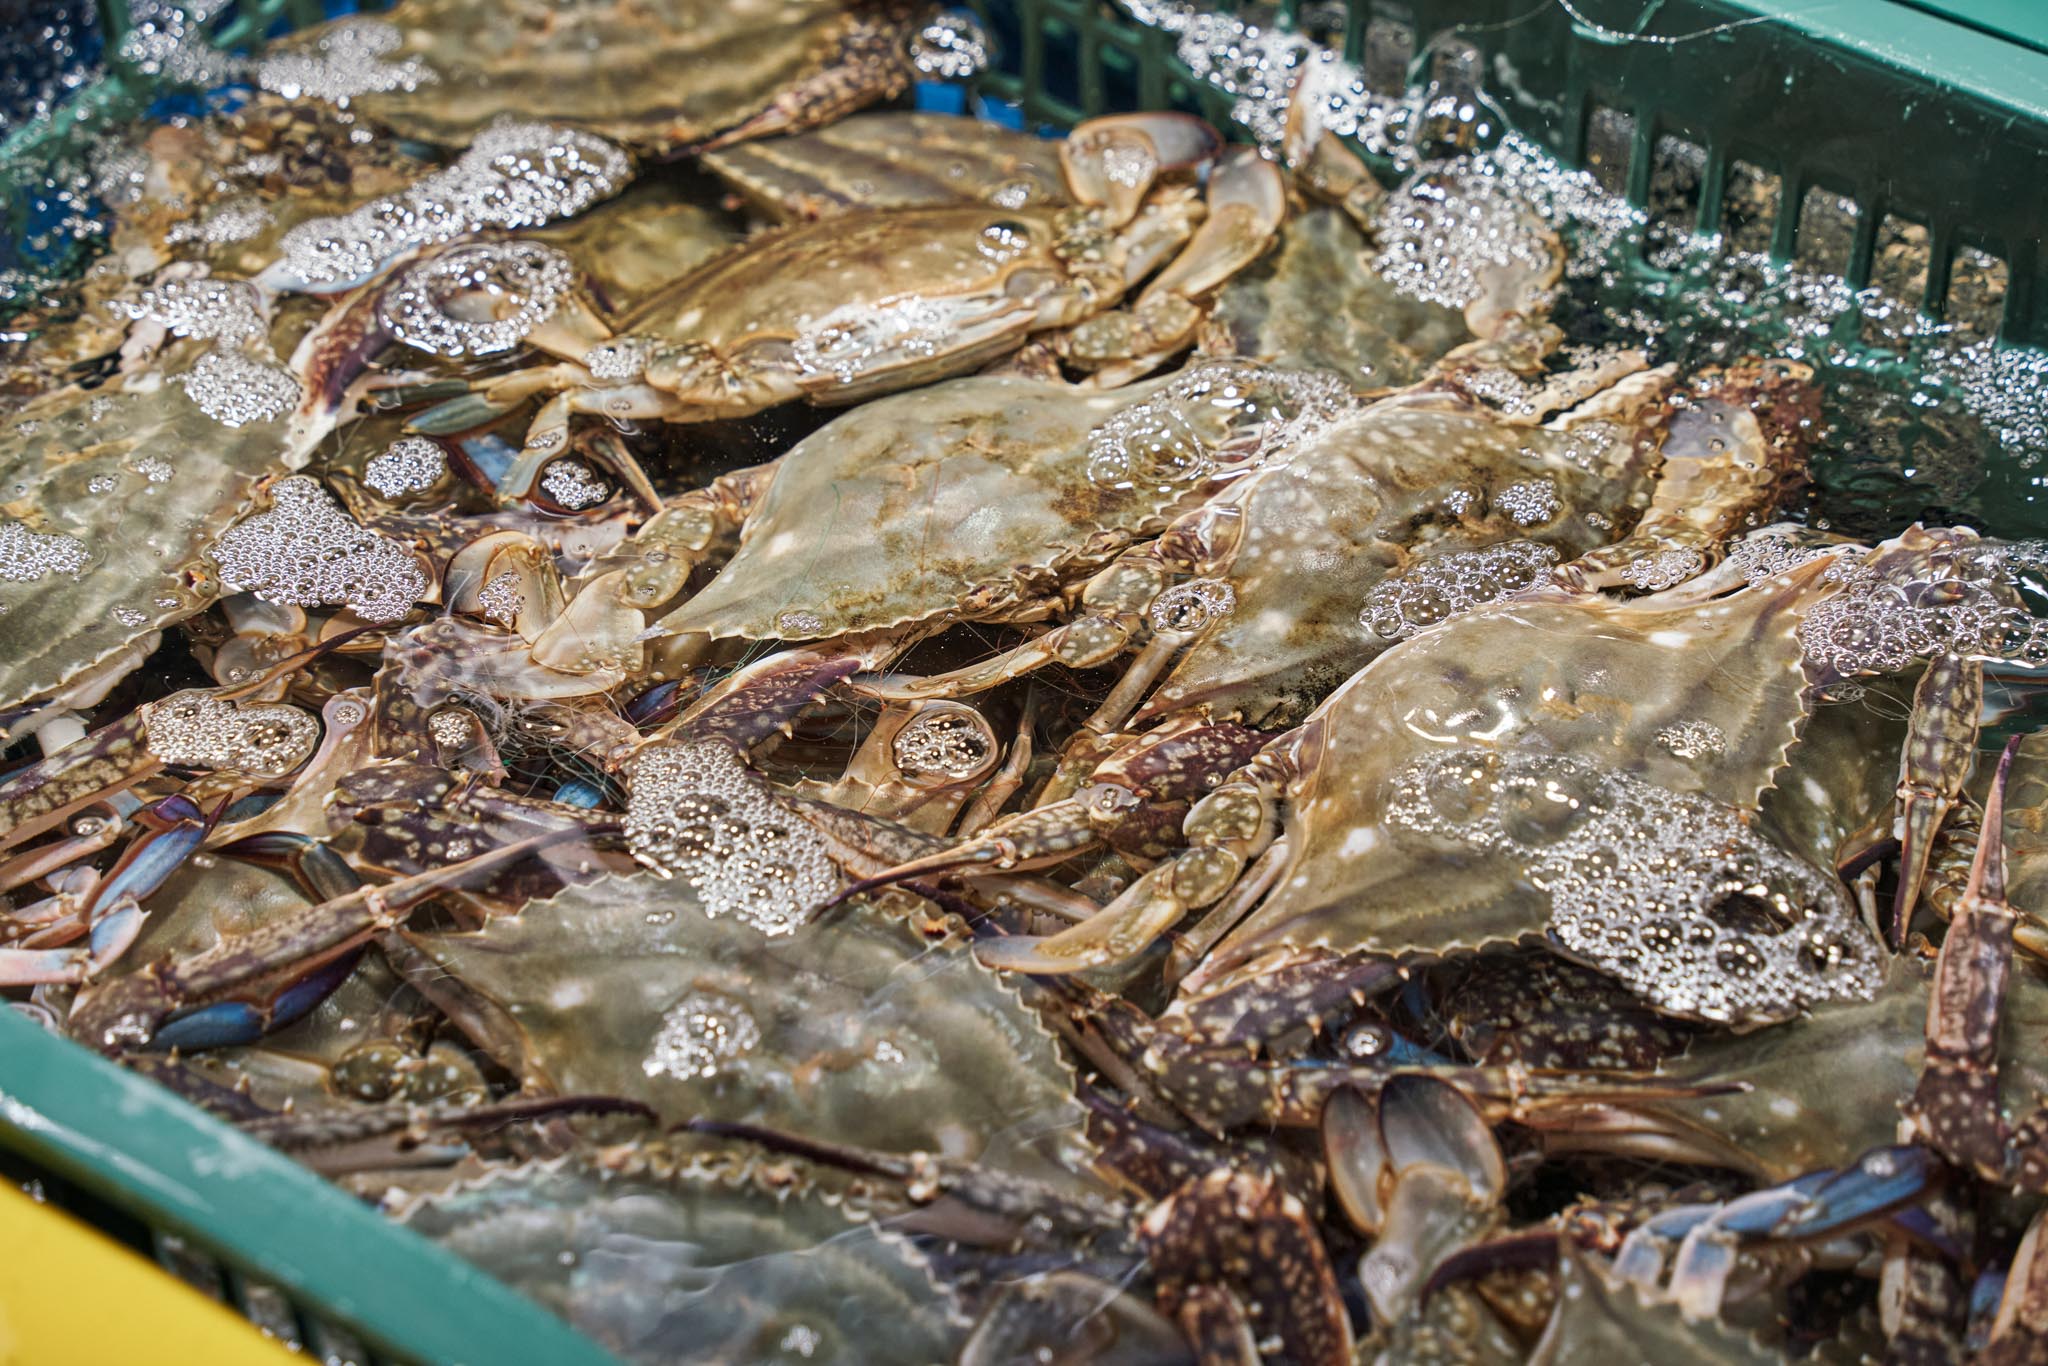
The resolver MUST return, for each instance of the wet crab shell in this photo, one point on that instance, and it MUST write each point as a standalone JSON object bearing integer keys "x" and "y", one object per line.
{"x": 852, "y": 1028}
{"x": 1401, "y": 486}
{"x": 695, "y": 1265}
{"x": 111, "y": 496}
{"x": 675, "y": 74}
{"x": 892, "y": 160}
{"x": 864, "y": 303}
{"x": 1317, "y": 303}
{"x": 968, "y": 497}
{"x": 1543, "y": 716}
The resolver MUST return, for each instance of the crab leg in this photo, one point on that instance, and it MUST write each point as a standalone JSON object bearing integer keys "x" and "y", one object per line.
{"x": 2020, "y": 1331}
{"x": 609, "y": 615}
{"x": 1247, "y": 202}
{"x": 111, "y": 915}
{"x": 1955, "y": 1108}
{"x": 127, "y": 1012}
{"x": 1939, "y": 753}
{"x": 1225, "y": 831}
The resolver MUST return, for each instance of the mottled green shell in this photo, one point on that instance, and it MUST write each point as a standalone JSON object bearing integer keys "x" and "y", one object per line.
{"x": 1553, "y": 673}
{"x": 1784, "y": 1124}
{"x": 640, "y": 242}
{"x": 1599, "y": 1318}
{"x": 694, "y": 1268}
{"x": 671, "y": 74}
{"x": 71, "y": 466}
{"x": 974, "y": 492}
{"x": 1316, "y": 303}
{"x": 1411, "y": 479}
{"x": 852, "y": 1029}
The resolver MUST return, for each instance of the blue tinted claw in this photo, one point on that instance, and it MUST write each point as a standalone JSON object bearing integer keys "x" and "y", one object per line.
{"x": 225, "y": 1024}
{"x": 1876, "y": 1184}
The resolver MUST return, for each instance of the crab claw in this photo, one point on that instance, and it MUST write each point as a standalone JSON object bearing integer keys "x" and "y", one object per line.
{"x": 1147, "y": 909}
{"x": 1247, "y": 200}
{"x": 1879, "y": 1182}
{"x": 1417, "y": 1168}
{"x": 1112, "y": 162}
{"x": 1027, "y": 1208}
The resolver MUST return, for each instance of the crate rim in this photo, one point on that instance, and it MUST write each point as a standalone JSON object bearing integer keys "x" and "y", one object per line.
{"x": 1971, "y": 46}
{"x": 174, "y": 1166}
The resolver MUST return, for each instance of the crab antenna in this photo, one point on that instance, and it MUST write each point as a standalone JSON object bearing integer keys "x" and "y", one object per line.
{"x": 1987, "y": 870}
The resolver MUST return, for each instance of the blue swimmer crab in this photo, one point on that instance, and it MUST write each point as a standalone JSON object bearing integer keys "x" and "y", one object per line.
{"x": 1422, "y": 505}
{"x": 986, "y": 484}
{"x": 1523, "y": 782}
{"x": 662, "y": 1257}
{"x": 858, "y": 1028}
{"x": 867, "y": 303}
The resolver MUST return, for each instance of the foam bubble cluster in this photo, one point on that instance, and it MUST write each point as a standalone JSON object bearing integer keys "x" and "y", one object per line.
{"x": 846, "y": 341}
{"x": 1267, "y": 70}
{"x": 476, "y": 300}
{"x": 570, "y": 483}
{"x": 1663, "y": 569}
{"x": 306, "y": 552}
{"x": 201, "y": 306}
{"x": 1211, "y": 416}
{"x": 618, "y": 361}
{"x": 1766, "y": 554}
{"x": 1669, "y": 892}
{"x": 236, "y": 381}
{"x": 234, "y": 390}
{"x": 1191, "y": 606}
{"x": 699, "y": 1035}
{"x": 952, "y": 47}
{"x": 345, "y": 61}
{"x": 501, "y": 599}
{"x": 695, "y": 811}
{"x": 942, "y": 742}
{"x": 1446, "y": 230}
{"x": 1440, "y": 588}
{"x": 1879, "y": 623}
{"x": 1693, "y": 739}
{"x": 1532, "y": 502}
{"x": 411, "y": 464}
{"x": 26, "y": 556}
{"x": 198, "y": 730}
{"x": 515, "y": 175}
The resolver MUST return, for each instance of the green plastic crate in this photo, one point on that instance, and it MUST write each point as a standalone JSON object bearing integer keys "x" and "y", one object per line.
{"x": 1928, "y": 113}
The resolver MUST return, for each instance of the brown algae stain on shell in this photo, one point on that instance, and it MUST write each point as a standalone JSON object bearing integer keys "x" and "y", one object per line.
{"x": 852, "y": 1029}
